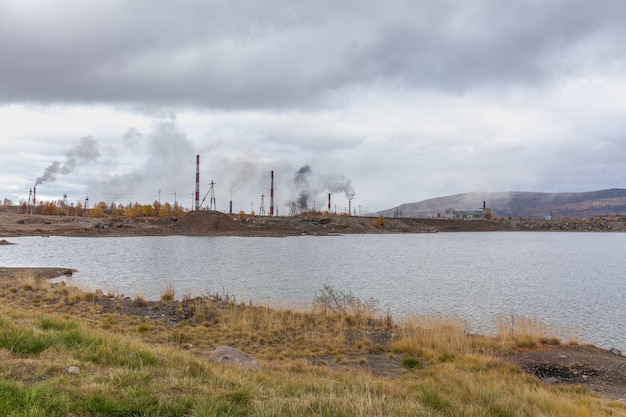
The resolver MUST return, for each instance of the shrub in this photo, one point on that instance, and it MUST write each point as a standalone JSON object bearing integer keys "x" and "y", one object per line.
{"x": 344, "y": 303}
{"x": 379, "y": 222}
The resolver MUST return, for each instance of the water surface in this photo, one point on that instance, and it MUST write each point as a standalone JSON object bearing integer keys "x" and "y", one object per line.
{"x": 566, "y": 279}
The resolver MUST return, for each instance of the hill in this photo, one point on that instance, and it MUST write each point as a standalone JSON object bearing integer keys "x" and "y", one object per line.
{"x": 522, "y": 204}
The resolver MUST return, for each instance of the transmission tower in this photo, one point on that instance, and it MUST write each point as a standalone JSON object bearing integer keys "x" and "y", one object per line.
{"x": 211, "y": 194}
{"x": 294, "y": 209}
{"x": 262, "y": 207}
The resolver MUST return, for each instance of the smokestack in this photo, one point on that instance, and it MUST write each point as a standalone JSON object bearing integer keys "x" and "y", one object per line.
{"x": 329, "y": 202}
{"x": 272, "y": 196}
{"x": 34, "y": 197}
{"x": 231, "y": 207}
{"x": 350, "y": 206}
{"x": 197, "y": 182}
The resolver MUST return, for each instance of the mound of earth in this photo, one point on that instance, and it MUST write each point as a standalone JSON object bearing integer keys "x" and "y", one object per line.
{"x": 203, "y": 223}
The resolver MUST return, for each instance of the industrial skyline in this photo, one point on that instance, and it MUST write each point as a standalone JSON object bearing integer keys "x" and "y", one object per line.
{"x": 410, "y": 100}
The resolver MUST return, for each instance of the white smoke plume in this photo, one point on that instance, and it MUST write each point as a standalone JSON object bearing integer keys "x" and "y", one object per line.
{"x": 164, "y": 151}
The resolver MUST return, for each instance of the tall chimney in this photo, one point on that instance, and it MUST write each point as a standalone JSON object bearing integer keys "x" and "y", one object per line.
{"x": 197, "y": 182}
{"x": 272, "y": 196}
{"x": 35, "y": 197}
{"x": 329, "y": 202}
{"x": 231, "y": 207}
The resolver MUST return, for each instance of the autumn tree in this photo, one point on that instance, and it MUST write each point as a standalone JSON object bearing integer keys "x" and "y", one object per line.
{"x": 165, "y": 211}
{"x": 177, "y": 211}
{"x": 48, "y": 208}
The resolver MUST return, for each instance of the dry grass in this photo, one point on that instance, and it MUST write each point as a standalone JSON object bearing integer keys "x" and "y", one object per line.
{"x": 132, "y": 365}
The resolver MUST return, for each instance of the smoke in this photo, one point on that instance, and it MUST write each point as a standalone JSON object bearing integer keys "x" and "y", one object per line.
{"x": 243, "y": 168}
{"x": 86, "y": 151}
{"x": 308, "y": 184}
{"x": 302, "y": 185}
{"x": 157, "y": 160}
{"x": 339, "y": 183}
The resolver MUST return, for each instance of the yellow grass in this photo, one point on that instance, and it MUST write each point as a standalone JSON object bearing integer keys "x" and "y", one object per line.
{"x": 131, "y": 363}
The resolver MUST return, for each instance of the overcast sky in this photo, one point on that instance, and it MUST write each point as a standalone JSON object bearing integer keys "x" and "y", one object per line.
{"x": 389, "y": 102}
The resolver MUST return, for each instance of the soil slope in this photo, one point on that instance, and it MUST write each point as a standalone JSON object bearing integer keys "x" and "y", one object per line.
{"x": 212, "y": 223}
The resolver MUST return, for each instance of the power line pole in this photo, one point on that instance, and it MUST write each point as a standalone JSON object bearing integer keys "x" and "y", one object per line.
{"x": 86, "y": 206}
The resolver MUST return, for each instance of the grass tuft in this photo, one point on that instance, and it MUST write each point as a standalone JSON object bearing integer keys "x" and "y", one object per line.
{"x": 412, "y": 363}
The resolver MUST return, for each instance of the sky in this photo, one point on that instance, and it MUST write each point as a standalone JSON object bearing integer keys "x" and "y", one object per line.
{"x": 378, "y": 103}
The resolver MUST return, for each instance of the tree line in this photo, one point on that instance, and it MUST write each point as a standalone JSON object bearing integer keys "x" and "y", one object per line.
{"x": 104, "y": 209}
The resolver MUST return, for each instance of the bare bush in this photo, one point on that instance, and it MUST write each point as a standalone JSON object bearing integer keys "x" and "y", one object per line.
{"x": 344, "y": 303}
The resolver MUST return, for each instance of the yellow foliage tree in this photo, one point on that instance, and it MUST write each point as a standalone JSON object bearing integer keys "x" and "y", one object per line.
{"x": 379, "y": 222}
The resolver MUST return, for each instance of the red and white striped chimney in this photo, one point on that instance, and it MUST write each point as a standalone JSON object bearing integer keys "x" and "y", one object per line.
{"x": 197, "y": 182}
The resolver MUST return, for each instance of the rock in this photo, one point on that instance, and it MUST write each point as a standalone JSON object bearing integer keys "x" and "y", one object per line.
{"x": 616, "y": 351}
{"x": 5, "y": 242}
{"x": 186, "y": 346}
{"x": 73, "y": 370}
{"x": 231, "y": 356}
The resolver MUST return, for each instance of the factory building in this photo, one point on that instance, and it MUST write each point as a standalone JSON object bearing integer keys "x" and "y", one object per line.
{"x": 469, "y": 214}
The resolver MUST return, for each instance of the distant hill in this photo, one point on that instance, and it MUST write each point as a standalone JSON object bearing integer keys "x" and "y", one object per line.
{"x": 522, "y": 204}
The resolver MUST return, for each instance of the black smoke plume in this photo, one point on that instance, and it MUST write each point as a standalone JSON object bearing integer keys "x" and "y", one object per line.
{"x": 302, "y": 185}
{"x": 308, "y": 184}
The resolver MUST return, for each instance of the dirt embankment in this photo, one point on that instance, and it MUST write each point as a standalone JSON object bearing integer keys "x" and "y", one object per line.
{"x": 212, "y": 223}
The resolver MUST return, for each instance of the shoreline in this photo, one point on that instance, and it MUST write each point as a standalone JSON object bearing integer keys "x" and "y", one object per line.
{"x": 551, "y": 361}
{"x": 36, "y": 272}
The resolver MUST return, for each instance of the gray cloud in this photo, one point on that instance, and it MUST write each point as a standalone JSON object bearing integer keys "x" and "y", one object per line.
{"x": 209, "y": 54}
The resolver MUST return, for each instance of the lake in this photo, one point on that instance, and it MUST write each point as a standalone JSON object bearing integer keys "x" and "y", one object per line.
{"x": 569, "y": 280}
